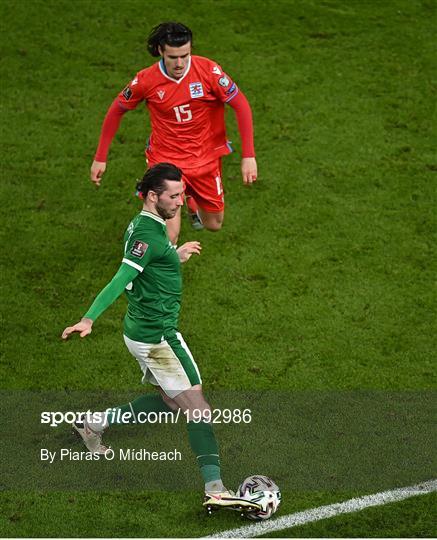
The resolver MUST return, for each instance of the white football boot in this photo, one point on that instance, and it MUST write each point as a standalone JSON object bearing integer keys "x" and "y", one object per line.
{"x": 215, "y": 500}
{"x": 92, "y": 439}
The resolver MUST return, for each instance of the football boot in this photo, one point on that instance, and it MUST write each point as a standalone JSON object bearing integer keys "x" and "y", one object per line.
{"x": 92, "y": 439}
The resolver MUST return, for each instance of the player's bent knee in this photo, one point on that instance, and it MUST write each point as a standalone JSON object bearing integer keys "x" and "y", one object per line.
{"x": 213, "y": 223}
{"x": 168, "y": 400}
{"x": 214, "y": 227}
{"x": 194, "y": 404}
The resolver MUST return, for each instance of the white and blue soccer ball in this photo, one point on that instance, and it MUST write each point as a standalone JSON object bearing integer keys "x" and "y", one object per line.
{"x": 263, "y": 491}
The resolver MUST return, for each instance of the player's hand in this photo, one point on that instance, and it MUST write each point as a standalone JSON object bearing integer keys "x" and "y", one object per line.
{"x": 83, "y": 327}
{"x": 187, "y": 249}
{"x": 97, "y": 170}
{"x": 249, "y": 170}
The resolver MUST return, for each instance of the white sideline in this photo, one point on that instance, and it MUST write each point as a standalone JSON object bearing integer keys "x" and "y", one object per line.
{"x": 331, "y": 510}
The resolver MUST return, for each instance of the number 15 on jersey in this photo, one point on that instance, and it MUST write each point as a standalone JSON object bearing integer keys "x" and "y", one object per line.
{"x": 183, "y": 113}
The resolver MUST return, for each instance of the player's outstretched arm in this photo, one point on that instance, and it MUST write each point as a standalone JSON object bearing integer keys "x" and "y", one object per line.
{"x": 188, "y": 249}
{"x": 243, "y": 113}
{"x": 109, "y": 129}
{"x": 103, "y": 300}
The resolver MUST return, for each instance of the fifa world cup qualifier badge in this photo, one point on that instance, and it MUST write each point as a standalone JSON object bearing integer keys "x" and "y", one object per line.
{"x": 138, "y": 249}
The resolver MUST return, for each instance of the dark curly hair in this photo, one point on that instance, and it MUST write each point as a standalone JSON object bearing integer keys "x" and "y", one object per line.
{"x": 174, "y": 34}
{"x": 155, "y": 177}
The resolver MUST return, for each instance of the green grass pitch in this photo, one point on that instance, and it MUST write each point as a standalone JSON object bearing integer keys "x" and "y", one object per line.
{"x": 321, "y": 283}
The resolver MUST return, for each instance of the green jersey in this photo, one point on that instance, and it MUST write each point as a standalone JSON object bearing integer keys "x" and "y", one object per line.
{"x": 155, "y": 294}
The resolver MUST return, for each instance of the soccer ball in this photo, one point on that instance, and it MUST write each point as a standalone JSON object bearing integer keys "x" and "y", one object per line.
{"x": 261, "y": 490}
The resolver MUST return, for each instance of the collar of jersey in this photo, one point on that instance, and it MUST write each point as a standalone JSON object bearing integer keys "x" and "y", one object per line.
{"x": 164, "y": 71}
{"x": 153, "y": 216}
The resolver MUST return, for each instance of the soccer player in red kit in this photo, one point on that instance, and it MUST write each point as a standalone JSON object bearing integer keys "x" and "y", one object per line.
{"x": 185, "y": 96}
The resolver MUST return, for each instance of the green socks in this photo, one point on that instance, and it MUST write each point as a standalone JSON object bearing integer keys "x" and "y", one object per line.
{"x": 200, "y": 434}
{"x": 205, "y": 447}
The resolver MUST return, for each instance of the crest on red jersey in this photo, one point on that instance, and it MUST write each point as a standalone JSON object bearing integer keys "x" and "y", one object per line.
{"x": 196, "y": 89}
{"x": 161, "y": 94}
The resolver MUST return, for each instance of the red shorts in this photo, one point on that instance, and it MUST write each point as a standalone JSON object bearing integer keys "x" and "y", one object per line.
{"x": 204, "y": 184}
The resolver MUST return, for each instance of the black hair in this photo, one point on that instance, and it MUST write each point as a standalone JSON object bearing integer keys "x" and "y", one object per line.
{"x": 155, "y": 177}
{"x": 168, "y": 33}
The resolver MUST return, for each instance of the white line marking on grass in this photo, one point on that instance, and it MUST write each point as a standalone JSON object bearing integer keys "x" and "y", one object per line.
{"x": 331, "y": 510}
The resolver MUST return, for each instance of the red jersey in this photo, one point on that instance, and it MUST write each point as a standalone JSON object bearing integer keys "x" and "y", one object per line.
{"x": 187, "y": 114}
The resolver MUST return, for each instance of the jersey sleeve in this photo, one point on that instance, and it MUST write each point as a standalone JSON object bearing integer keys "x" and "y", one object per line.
{"x": 139, "y": 250}
{"x": 132, "y": 94}
{"x": 111, "y": 292}
{"x": 223, "y": 87}
{"x": 243, "y": 113}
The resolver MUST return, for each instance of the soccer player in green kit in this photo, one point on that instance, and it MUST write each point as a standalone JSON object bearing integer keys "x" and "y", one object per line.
{"x": 151, "y": 277}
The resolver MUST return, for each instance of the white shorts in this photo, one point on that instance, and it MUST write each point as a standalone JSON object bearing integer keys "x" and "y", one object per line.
{"x": 168, "y": 364}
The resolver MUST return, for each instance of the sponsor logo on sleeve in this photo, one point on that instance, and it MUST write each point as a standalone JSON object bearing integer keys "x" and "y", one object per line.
{"x": 216, "y": 70}
{"x": 231, "y": 89}
{"x": 134, "y": 82}
{"x": 138, "y": 249}
{"x": 224, "y": 81}
{"x": 127, "y": 93}
{"x": 196, "y": 90}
